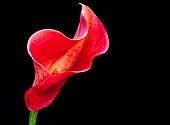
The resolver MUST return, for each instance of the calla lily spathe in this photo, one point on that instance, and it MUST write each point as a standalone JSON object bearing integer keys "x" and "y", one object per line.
{"x": 57, "y": 57}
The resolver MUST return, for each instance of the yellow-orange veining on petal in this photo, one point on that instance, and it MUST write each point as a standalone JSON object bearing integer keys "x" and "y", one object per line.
{"x": 67, "y": 61}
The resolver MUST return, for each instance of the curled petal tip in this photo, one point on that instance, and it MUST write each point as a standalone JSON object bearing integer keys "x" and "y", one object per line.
{"x": 80, "y": 4}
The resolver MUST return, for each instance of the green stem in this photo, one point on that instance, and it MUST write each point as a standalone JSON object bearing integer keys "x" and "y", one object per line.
{"x": 32, "y": 118}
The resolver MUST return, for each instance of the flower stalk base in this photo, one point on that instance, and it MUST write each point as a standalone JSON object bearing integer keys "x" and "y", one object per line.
{"x": 32, "y": 118}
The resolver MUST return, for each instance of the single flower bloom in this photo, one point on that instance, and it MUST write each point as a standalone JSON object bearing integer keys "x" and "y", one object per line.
{"x": 57, "y": 57}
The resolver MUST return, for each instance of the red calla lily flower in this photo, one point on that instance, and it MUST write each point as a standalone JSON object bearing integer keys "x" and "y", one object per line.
{"x": 57, "y": 57}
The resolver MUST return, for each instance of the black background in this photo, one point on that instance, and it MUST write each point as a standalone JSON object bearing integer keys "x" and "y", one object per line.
{"x": 113, "y": 91}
